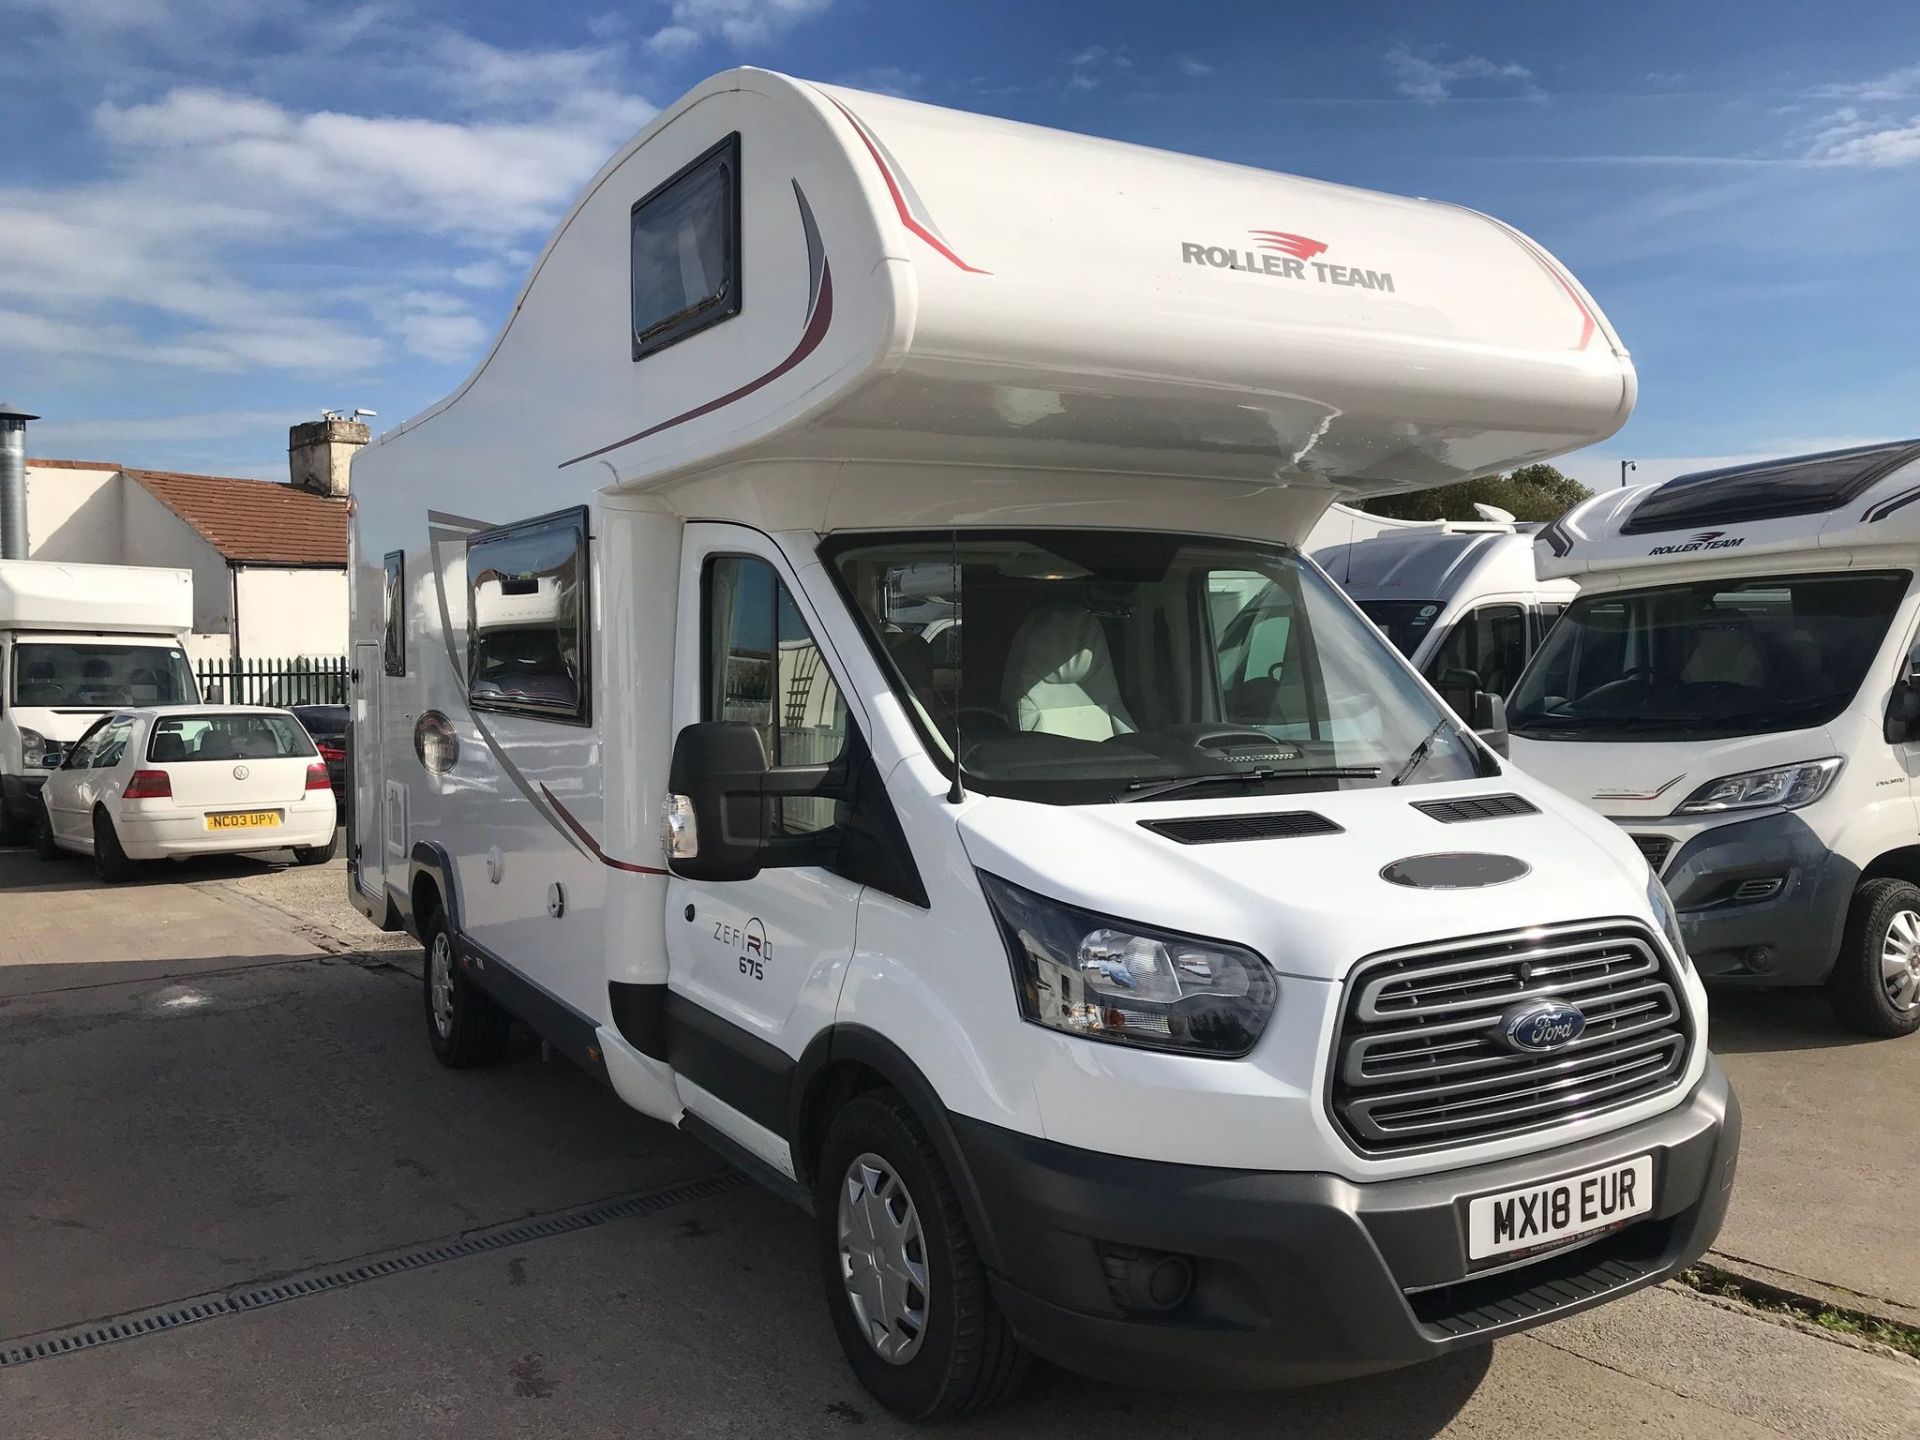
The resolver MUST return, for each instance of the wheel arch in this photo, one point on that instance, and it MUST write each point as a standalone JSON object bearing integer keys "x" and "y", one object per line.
{"x": 430, "y": 878}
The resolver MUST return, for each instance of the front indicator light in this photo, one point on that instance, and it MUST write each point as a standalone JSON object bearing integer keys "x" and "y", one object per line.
{"x": 1785, "y": 787}
{"x": 1106, "y": 979}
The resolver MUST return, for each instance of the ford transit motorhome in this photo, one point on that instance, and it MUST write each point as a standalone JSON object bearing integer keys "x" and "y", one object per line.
{"x": 1461, "y": 601}
{"x": 77, "y": 642}
{"x": 1738, "y": 686}
{"x": 1160, "y": 979}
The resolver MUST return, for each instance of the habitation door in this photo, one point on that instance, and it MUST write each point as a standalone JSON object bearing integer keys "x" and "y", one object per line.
{"x": 756, "y": 965}
{"x": 369, "y": 765}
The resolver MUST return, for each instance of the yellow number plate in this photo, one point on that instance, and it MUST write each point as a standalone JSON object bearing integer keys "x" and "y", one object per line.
{"x": 244, "y": 820}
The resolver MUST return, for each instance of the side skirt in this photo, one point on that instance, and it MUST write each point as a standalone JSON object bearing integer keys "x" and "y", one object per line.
{"x": 566, "y": 1029}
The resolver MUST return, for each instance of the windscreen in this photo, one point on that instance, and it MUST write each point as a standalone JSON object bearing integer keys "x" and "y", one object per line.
{"x": 241, "y": 736}
{"x": 1712, "y": 658}
{"x": 1081, "y": 667}
{"x": 93, "y": 675}
{"x": 1405, "y": 622}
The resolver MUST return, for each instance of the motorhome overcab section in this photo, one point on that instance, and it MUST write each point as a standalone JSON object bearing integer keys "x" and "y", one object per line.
{"x": 1206, "y": 1019}
{"x": 1736, "y": 687}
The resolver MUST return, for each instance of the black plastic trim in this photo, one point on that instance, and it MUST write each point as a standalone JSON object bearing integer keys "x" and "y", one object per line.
{"x": 730, "y": 1063}
{"x": 574, "y": 1034}
{"x": 430, "y": 858}
{"x": 1476, "y": 807}
{"x": 1228, "y": 829}
{"x": 744, "y": 1160}
{"x": 640, "y": 1015}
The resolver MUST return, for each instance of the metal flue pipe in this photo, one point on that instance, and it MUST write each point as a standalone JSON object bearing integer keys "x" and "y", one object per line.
{"x": 13, "y": 481}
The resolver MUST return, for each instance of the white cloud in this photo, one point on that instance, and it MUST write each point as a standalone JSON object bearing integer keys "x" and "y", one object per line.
{"x": 1422, "y": 75}
{"x": 1899, "y": 84}
{"x": 885, "y": 80}
{"x": 1093, "y": 66}
{"x": 1847, "y": 138}
{"x": 483, "y": 274}
{"x": 443, "y": 339}
{"x": 739, "y": 22}
{"x": 1192, "y": 68}
{"x": 75, "y": 437}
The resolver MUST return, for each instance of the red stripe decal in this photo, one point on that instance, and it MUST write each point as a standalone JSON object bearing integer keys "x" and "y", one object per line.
{"x": 593, "y": 844}
{"x": 810, "y": 339}
{"x": 900, "y": 200}
{"x": 1586, "y": 315}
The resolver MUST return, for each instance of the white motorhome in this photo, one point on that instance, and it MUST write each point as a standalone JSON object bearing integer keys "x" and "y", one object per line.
{"x": 1460, "y": 599}
{"x": 76, "y": 642}
{"x": 1738, "y": 687}
{"x": 1168, "y": 984}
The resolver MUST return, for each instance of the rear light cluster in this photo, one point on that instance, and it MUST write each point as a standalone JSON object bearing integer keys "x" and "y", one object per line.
{"x": 317, "y": 778}
{"x": 330, "y": 752}
{"x": 148, "y": 785}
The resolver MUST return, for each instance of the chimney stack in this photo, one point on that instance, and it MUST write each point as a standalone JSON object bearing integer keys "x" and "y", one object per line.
{"x": 13, "y": 481}
{"x": 319, "y": 452}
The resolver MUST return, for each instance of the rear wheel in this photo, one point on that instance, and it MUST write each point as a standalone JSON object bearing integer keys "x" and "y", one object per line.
{"x": 904, "y": 1284}
{"x": 1875, "y": 986}
{"x": 464, "y": 1024}
{"x": 317, "y": 854}
{"x": 43, "y": 842}
{"x": 108, "y": 856}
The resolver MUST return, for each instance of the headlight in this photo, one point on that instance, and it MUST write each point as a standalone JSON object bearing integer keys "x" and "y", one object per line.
{"x": 1788, "y": 787}
{"x": 1668, "y": 917}
{"x": 33, "y": 747}
{"x": 1113, "y": 980}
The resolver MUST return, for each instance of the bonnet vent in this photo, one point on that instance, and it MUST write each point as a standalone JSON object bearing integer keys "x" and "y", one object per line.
{"x": 1218, "y": 829}
{"x": 1476, "y": 807}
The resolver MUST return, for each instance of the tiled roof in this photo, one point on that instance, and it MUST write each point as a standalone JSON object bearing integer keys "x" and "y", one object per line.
{"x": 259, "y": 521}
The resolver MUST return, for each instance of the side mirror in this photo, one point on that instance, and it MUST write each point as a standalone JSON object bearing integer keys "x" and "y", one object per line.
{"x": 716, "y": 817}
{"x": 216, "y": 693}
{"x": 1903, "y": 712}
{"x": 1458, "y": 688}
{"x": 1490, "y": 721}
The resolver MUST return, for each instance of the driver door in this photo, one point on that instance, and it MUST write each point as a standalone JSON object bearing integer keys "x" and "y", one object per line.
{"x": 756, "y": 965}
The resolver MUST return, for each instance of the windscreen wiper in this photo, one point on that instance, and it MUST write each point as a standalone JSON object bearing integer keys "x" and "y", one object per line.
{"x": 1149, "y": 789}
{"x": 1420, "y": 752}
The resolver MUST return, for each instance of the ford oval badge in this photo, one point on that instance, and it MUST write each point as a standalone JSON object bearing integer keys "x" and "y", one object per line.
{"x": 1537, "y": 1026}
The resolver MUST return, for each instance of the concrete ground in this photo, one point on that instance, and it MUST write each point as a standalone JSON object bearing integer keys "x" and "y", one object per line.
{"x": 214, "y": 1079}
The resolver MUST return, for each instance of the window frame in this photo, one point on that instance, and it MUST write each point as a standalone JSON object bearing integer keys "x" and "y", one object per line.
{"x": 393, "y": 639}
{"x": 581, "y": 714}
{"x": 693, "y": 319}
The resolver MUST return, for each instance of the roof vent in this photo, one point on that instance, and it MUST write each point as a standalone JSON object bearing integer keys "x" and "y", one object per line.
{"x": 1772, "y": 490}
{"x": 1220, "y": 829}
{"x": 1476, "y": 807}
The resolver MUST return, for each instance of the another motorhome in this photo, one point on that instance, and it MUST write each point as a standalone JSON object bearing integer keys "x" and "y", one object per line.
{"x": 77, "y": 642}
{"x": 1166, "y": 983}
{"x": 1461, "y": 600}
{"x": 1738, "y": 687}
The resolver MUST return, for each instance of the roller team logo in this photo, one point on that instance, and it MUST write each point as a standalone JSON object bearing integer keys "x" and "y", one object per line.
{"x": 1283, "y": 255}
{"x": 1705, "y": 540}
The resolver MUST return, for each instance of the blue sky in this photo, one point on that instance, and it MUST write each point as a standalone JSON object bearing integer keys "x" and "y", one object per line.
{"x": 219, "y": 216}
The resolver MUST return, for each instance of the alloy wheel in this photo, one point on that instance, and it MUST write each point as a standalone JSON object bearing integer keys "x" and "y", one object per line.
{"x": 1900, "y": 961}
{"x": 440, "y": 982}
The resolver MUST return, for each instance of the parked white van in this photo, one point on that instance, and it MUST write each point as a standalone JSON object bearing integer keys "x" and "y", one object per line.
{"x": 78, "y": 642}
{"x": 1168, "y": 985}
{"x": 1739, "y": 687}
{"x": 1461, "y": 600}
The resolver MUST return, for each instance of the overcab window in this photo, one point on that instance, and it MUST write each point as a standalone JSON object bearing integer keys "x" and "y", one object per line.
{"x": 527, "y": 599}
{"x": 686, "y": 251}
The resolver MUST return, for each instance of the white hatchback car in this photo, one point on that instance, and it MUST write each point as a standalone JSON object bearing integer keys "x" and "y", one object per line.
{"x": 181, "y": 780}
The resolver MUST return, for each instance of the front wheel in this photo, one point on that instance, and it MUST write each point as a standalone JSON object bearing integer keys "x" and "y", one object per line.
{"x": 108, "y": 856}
{"x": 904, "y": 1284}
{"x": 1875, "y": 986}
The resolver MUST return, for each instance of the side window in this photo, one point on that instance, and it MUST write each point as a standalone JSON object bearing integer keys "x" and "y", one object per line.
{"x": 112, "y": 744}
{"x": 527, "y": 648}
{"x": 80, "y": 756}
{"x": 764, "y": 667}
{"x": 1252, "y": 621}
{"x": 1491, "y": 642}
{"x": 685, "y": 251}
{"x": 394, "y": 606}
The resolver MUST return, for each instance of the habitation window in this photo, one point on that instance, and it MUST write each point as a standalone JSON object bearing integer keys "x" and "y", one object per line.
{"x": 394, "y": 605}
{"x": 527, "y": 599}
{"x": 685, "y": 256}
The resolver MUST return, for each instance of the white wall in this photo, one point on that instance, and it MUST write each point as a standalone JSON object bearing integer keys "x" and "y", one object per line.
{"x": 284, "y": 613}
{"x": 157, "y": 536}
{"x": 75, "y": 515}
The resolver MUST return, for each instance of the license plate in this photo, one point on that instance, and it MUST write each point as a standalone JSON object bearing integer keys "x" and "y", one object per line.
{"x": 244, "y": 820}
{"x": 1542, "y": 1215}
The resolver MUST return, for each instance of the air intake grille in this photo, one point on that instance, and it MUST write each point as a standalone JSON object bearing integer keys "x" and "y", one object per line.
{"x": 1476, "y": 807}
{"x": 1418, "y": 1065}
{"x": 1656, "y": 848}
{"x": 1218, "y": 829}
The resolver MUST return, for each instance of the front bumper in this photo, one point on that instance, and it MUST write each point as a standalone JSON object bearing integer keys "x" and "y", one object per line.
{"x": 22, "y": 792}
{"x": 1303, "y": 1278}
{"x": 1792, "y": 936}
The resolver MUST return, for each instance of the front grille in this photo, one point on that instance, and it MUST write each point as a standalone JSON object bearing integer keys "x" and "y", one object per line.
{"x": 1418, "y": 1063}
{"x": 1219, "y": 829}
{"x": 1476, "y": 807}
{"x": 1656, "y": 849}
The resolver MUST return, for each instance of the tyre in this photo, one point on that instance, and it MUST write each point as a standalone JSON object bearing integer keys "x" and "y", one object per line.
{"x": 904, "y": 1284}
{"x": 108, "y": 858}
{"x": 464, "y": 1024}
{"x": 1875, "y": 986}
{"x": 317, "y": 854}
{"x": 15, "y": 825}
{"x": 43, "y": 843}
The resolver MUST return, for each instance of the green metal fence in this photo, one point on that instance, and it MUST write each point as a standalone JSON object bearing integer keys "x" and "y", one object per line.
{"x": 301, "y": 681}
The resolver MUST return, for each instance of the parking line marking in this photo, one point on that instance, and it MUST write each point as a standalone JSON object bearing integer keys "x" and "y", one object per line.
{"x": 324, "y": 1279}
